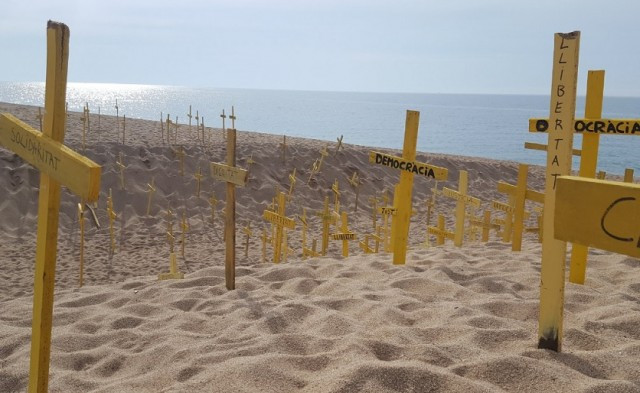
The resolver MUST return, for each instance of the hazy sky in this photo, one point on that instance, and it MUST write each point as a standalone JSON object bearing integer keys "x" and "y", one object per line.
{"x": 442, "y": 46}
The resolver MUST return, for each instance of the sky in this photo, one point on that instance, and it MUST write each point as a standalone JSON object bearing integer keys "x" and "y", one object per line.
{"x": 428, "y": 46}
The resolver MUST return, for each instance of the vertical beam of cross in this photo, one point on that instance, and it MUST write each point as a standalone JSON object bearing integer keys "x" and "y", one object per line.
{"x": 559, "y": 157}
{"x": 588, "y": 163}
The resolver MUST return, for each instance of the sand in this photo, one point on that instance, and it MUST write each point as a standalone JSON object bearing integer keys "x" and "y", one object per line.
{"x": 451, "y": 319}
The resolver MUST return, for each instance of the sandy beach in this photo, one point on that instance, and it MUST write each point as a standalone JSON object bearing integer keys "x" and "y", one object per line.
{"x": 452, "y": 319}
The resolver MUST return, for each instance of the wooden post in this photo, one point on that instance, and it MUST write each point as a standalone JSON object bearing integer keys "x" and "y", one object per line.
{"x": 112, "y": 218}
{"x": 232, "y": 117}
{"x": 265, "y": 239}
{"x": 281, "y": 221}
{"x": 189, "y": 116}
{"x": 224, "y": 129}
{"x": 248, "y": 233}
{"x": 628, "y": 175}
{"x": 402, "y": 199}
{"x": 81, "y": 227}
{"x": 284, "y": 149}
{"x": 198, "y": 176}
{"x": 373, "y": 201}
{"x": 121, "y": 166}
{"x": 117, "y": 118}
{"x": 336, "y": 196}
{"x": 562, "y": 112}
{"x": 354, "y": 180}
{"x": 185, "y": 228}
{"x": 58, "y": 165}
{"x": 327, "y": 218}
{"x": 213, "y": 201}
{"x": 338, "y": 146}
{"x": 345, "y": 235}
{"x": 124, "y": 123}
{"x": 462, "y": 199}
{"x": 292, "y": 183}
{"x": 151, "y": 189}
{"x": 40, "y": 117}
{"x": 232, "y": 176}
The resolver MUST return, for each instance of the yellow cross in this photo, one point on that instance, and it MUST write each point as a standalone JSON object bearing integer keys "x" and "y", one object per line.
{"x": 355, "y": 182}
{"x": 198, "y": 176}
{"x": 345, "y": 235}
{"x": 189, "y": 116}
{"x": 462, "y": 199}
{"x": 284, "y": 148}
{"x": 440, "y": 231}
{"x": 185, "y": 228}
{"x": 120, "y": 164}
{"x": 339, "y": 145}
{"x": 280, "y": 221}
{"x": 224, "y": 129}
{"x": 336, "y": 196}
{"x": 248, "y": 232}
{"x": 292, "y": 182}
{"x": 303, "y": 220}
{"x": 179, "y": 153}
{"x": 112, "y": 217}
{"x": 213, "y": 202}
{"x": 323, "y": 153}
{"x": 232, "y": 117}
{"x": 315, "y": 168}
{"x": 151, "y": 189}
{"x": 58, "y": 165}
{"x": 327, "y": 219}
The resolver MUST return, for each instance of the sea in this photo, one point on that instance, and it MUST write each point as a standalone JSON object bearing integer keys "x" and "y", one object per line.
{"x": 478, "y": 125}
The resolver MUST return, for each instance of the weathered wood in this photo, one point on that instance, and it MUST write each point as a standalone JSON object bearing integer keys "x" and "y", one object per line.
{"x": 562, "y": 112}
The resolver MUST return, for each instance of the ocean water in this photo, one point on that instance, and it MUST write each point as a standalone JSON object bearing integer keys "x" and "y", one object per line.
{"x": 492, "y": 126}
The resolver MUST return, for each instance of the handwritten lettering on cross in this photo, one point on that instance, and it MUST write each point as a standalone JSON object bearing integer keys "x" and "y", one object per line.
{"x": 58, "y": 165}
{"x": 281, "y": 221}
{"x": 560, "y": 145}
{"x": 402, "y": 199}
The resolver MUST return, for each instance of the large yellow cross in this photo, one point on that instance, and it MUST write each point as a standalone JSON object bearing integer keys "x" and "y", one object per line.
{"x": 58, "y": 165}
{"x": 281, "y": 221}
{"x": 402, "y": 196}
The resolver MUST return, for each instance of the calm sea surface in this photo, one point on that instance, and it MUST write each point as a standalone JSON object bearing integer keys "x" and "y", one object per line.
{"x": 493, "y": 126}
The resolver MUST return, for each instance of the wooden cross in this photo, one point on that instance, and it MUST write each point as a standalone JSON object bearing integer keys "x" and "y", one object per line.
{"x": 315, "y": 168}
{"x": 58, "y": 165}
{"x": 233, "y": 176}
{"x": 323, "y": 153}
{"x": 124, "y": 122}
{"x": 336, "y": 196}
{"x": 386, "y": 212}
{"x": 185, "y": 228}
{"x": 224, "y": 129}
{"x": 232, "y": 117}
{"x": 596, "y": 213}
{"x": 311, "y": 252}
{"x": 591, "y": 127}
{"x": 117, "y": 117}
{"x": 112, "y": 218}
{"x": 440, "y": 232}
{"x": 198, "y": 176}
{"x": 120, "y": 164}
{"x": 248, "y": 232}
{"x": 485, "y": 224}
{"x": 281, "y": 221}
{"x": 345, "y": 235}
{"x": 175, "y": 132}
{"x": 327, "y": 219}
{"x": 81, "y": 225}
{"x": 303, "y": 220}
{"x": 174, "y": 273}
{"x": 151, "y": 189}
{"x": 292, "y": 183}
{"x": 189, "y": 116}
{"x": 283, "y": 145}
{"x": 265, "y": 239}
{"x": 40, "y": 116}
{"x": 374, "y": 210}
{"x": 179, "y": 153}
{"x": 213, "y": 201}
{"x": 364, "y": 245}
{"x": 462, "y": 199}
{"x": 560, "y": 142}
{"x": 602, "y": 175}
{"x": 408, "y": 166}
{"x": 85, "y": 124}
{"x": 518, "y": 194}
{"x": 162, "y": 126}
{"x": 355, "y": 182}
{"x": 376, "y": 237}
{"x": 286, "y": 250}
{"x": 339, "y": 146}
